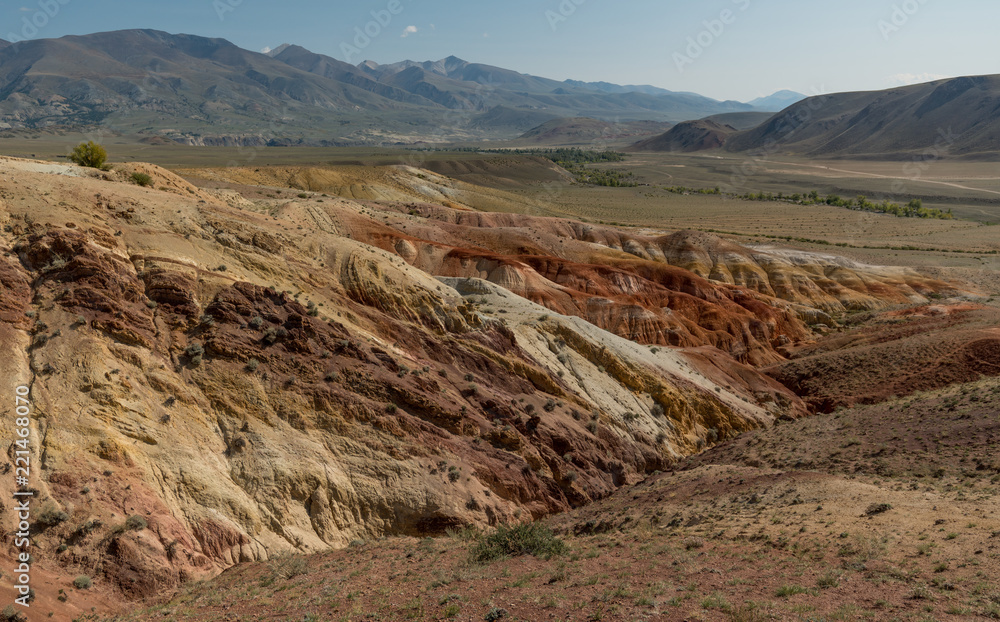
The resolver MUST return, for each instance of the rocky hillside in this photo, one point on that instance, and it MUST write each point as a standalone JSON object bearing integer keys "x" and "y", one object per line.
{"x": 228, "y": 371}
{"x": 946, "y": 117}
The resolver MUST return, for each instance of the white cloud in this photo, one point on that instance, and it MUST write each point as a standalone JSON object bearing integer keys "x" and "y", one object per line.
{"x": 25, "y": 9}
{"x": 486, "y": 35}
{"x": 409, "y": 30}
{"x": 265, "y": 50}
{"x": 906, "y": 79}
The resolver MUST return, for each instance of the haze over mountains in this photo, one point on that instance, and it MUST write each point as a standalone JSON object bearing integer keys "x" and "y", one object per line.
{"x": 192, "y": 88}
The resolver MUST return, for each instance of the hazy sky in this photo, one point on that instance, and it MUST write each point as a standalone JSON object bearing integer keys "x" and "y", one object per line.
{"x": 726, "y": 49}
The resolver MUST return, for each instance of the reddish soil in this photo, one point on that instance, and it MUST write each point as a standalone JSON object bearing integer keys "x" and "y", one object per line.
{"x": 894, "y": 353}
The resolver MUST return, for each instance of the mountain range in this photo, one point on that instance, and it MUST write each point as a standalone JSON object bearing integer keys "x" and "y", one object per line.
{"x": 199, "y": 90}
{"x": 956, "y": 116}
{"x": 204, "y": 91}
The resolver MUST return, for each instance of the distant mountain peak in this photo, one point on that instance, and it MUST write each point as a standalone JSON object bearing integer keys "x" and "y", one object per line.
{"x": 778, "y": 100}
{"x": 278, "y": 50}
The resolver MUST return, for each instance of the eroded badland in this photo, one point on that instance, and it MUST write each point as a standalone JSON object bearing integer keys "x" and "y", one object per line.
{"x": 316, "y": 384}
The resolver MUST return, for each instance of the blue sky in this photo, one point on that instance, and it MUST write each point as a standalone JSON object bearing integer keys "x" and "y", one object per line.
{"x": 726, "y": 49}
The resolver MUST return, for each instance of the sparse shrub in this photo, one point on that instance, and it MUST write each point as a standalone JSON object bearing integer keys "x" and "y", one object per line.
{"x": 693, "y": 543}
{"x": 494, "y": 614}
{"x": 391, "y": 408}
{"x": 331, "y": 376}
{"x": 256, "y": 322}
{"x": 830, "y": 579}
{"x": 657, "y": 410}
{"x": 527, "y": 539}
{"x": 222, "y": 268}
{"x": 550, "y": 405}
{"x": 195, "y": 349}
{"x": 89, "y": 154}
{"x": 142, "y": 179}
{"x": 51, "y": 516}
{"x": 253, "y": 364}
{"x": 790, "y": 590}
{"x": 135, "y": 523}
{"x": 82, "y": 582}
{"x": 877, "y": 508}
{"x": 921, "y": 592}
{"x": 149, "y": 303}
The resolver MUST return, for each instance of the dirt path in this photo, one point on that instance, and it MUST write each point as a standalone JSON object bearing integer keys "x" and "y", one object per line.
{"x": 876, "y": 175}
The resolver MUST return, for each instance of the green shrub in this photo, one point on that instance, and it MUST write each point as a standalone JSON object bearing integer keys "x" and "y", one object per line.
{"x": 136, "y": 523}
{"x": 142, "y": 179}
{"x": 82, "y": 582}
{"x": 89, "y": 154}
{"x": 494, "y": 614}
{"x": 527, "y": 539}
{"x": 51, "y": 515}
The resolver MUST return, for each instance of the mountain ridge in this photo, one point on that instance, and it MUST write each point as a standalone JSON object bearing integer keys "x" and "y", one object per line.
{"x": 137, "y": 80}
{"x": 954, "y": 116}
{"x": 779, "y": 100}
